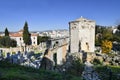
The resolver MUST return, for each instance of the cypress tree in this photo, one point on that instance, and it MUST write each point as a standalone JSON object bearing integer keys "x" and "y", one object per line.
{"x": 6, "y": 32}
{"x": 26, "y": 35}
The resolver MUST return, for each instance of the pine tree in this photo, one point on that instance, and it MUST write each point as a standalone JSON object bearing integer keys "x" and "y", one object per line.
{"x": 6, "y": 32}
{"x": 26, "y": 35}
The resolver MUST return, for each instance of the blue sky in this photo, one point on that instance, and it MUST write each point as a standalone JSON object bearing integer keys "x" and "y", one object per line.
{"x": 55, "y": 14}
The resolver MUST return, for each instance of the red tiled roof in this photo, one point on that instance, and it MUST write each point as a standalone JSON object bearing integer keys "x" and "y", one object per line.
{"x": 18, "y": 34}
{"x": 15, "y": 35}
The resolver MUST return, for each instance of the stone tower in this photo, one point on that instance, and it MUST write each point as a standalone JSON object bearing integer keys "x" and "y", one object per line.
{"x": 82, "y": 35}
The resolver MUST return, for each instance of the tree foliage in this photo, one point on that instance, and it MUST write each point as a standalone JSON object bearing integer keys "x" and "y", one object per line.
{"x": 7, "y": 42}
{"x": 98, "y": 29}
{"x": 6, "y": 32}
{"x": 116, "y": 36}
{"x": 98, "y": 34}
{"x": 13, "y": 43}
{"x": 102, "y": 33}
{"x": 118, "y": 27}
{"x": 76, "y": 67}
{"x": 106, "y": 46}
{"x": 107, "y": 34}
{"x": 98, "y": 39}
{"x": 42, "y": 39}
{"x": 26, "y": 35}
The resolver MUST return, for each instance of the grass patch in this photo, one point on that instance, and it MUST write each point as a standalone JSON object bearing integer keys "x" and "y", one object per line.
{"x": 10, "y": 71}
{"x": 104, "y": 72}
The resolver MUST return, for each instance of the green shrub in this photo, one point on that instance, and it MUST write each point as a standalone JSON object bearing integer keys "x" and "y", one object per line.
{"x": 97, "y": 62}
{"x": 104, "y": 72}
{"x": 76, "y": 68}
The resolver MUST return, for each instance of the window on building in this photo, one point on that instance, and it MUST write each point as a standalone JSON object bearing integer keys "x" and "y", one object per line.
{"x": 33, "y": 42}
{"x": 20, "y": 39}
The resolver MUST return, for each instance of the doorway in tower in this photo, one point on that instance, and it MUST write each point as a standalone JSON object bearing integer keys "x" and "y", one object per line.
{"x": 79, "y": 46}
{"x": 55, "y": 59}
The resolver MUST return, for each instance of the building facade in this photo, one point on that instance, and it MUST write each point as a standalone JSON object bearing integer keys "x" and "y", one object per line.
{"x": 18, "y": 36}
{"x": 82, "y": 35}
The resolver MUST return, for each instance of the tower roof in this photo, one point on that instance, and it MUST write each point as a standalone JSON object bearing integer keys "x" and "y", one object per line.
{"x": 83, "y": 19}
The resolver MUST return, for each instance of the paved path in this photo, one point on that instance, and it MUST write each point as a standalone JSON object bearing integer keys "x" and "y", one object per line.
{"x": 89, "y": 73}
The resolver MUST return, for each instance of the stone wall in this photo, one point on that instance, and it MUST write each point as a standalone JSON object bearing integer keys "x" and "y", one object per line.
{"x": 5, "y": 50}
{"x": 60, "y": 51}
{"x": 105, "y": 59}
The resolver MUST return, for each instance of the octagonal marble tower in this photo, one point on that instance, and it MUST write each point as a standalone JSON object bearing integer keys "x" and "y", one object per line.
{"x": 82, "y": 35}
